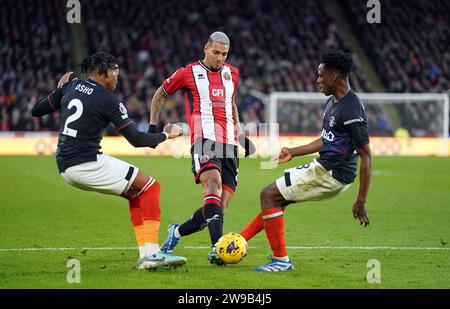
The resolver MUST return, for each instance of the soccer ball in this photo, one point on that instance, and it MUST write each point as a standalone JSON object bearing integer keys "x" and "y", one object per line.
{"x": 232, "y": 248}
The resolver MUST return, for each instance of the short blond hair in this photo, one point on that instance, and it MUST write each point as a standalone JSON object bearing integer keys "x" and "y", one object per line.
{"x": 219, "y": 37}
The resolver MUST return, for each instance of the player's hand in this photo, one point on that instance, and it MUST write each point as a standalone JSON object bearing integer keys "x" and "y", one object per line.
{"x": 173, "y": 130}
{"x": 285, "y": 155}
{"x": 360, "y": 213}
{"x": 248, "y": 145}
{"x": 65, "y": 79}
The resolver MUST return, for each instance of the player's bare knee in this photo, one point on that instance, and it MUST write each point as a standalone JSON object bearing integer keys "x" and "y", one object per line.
{"x": 265, "y": 199}
{"x": 224, "y": 207}
{"x": 213, "y": 186}
{"x": 269, "y": 198}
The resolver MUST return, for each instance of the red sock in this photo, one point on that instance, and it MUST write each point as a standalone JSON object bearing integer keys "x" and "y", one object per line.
{"x": 149, "y": 202}
{"x": 135, "y": 211}
{"x": 253, "y": 228}
{"x": 136, "y": 220}
{"x": 274, "y": 227}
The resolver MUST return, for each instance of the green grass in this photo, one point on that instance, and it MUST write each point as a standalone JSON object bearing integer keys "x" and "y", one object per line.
{"x": 409, "y": 206}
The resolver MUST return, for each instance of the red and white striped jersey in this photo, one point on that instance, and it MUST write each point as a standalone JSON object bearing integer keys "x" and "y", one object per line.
{"x": 208, "y": 100}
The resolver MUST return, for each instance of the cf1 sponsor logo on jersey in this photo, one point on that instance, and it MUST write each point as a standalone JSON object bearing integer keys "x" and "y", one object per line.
{"x": 329, "y": 136}
{"x": 217, "y": 93}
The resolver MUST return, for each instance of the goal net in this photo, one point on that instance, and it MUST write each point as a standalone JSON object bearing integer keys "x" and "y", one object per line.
{"x": 399, "y": 123}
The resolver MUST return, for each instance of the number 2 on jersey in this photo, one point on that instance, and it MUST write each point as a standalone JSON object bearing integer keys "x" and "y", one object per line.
{"x": 78, "y": 112}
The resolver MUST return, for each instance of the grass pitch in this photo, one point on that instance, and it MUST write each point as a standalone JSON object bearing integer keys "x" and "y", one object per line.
{"x": 408, "y": 206}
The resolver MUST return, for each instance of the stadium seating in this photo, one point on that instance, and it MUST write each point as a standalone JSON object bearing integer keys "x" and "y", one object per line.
{"x": 410, "y": 51}
{"x": 154, "y": 38}
{"x": 34, "y": 51}
{"x": 159, "y": 38}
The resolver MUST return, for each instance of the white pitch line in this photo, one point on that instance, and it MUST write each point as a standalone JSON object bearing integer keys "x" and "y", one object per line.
{"x": 369, "y": 248}
{"x": 66, "y": 249}
{"x": 345, "y": 248}
{"x": 200, "y": 247}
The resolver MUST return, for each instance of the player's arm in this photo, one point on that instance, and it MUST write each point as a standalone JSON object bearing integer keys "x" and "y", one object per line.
{"x": 51, "y": 102}
{"x": 47, "y": 104}
{"x": 116, "y": 113}
{"x": 355, "y": 122}
{"x": 359, "y": 207}
{"x": 156, "y": 105}
{"x": 168, "y": 87}
{"x": 286, "y": 154}
{"x": 244, "y": 141}
{"x": 140, "y": 139}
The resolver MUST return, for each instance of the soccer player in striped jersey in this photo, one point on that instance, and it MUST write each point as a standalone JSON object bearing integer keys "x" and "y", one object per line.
{"x": 344, "y": 132}
{"x": 87, "y": 107}
{"x": 210, "y": 86}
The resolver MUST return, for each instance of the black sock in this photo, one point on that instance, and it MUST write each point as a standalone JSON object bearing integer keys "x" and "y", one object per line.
{"x": 196, "y": 223}
{"x": 214, "y": 219}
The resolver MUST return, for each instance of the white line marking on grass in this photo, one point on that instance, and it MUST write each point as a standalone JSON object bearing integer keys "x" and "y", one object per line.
{"x": 67, "y": 249}
{"x": 200, "y": 247}
{"x": 369, "y": 248}
{"x": 345, "y": 248}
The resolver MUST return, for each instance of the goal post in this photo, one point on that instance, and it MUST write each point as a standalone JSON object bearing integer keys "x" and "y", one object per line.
{"x": 408, "y": 106}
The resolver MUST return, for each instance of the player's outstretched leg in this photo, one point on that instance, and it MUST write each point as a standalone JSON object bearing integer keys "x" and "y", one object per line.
{"x": 146, "y": 192}
{"x": 136, "y": 220}
{"x": 212, "y": 189}
{"x": 253, "y": 228}
{"x": 273, "y": 216}
{"x": 194, "y": 224}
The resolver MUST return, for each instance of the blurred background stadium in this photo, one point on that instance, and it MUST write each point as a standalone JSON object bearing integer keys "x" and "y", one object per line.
{"x": 275, "y": 44}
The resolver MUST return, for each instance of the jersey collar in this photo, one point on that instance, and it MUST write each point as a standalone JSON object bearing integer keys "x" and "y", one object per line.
{"x": 93, "y": 82}
{"x": 208, "y": 69}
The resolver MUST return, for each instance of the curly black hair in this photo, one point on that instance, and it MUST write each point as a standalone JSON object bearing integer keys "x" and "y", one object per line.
{"x": 337, "y": 59}
{"x": 99, "y": 62}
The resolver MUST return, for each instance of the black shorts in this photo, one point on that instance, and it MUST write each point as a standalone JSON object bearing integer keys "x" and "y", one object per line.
{"x": 207, "y": 155}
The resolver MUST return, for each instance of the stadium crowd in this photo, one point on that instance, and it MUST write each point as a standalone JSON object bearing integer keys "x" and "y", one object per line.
{"x": 153, "y": 38}
{"x": 34, "y": 51}
{"x": 410, "y": 51}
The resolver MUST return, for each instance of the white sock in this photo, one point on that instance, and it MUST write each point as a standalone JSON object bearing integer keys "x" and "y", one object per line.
{"x": 141, "y": 251}
{"x": 151, "y": 248}
{"x": 283, "y": 259}
{"x": 176, "y": 233}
